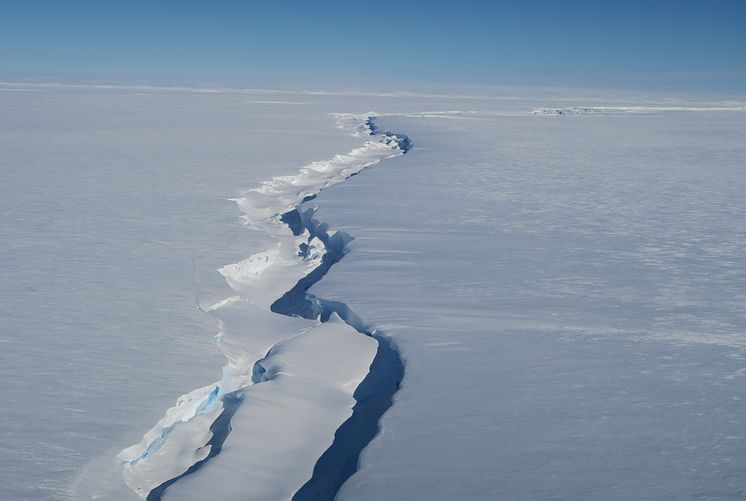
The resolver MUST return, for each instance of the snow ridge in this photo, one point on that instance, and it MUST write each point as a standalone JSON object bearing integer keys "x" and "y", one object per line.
{"x": 273, "y": 361}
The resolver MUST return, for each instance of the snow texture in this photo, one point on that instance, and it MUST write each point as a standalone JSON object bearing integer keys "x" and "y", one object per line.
{"x": 563, "y": 275}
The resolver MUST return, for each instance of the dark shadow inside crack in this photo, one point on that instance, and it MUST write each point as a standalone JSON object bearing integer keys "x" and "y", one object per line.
{"x": 220, "y": 429}
{"x": 375, "y": 394}
{"x": 374, "y": 397}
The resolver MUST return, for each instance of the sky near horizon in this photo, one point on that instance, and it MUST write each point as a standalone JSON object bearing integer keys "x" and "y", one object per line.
{"x": 679, "y": 45}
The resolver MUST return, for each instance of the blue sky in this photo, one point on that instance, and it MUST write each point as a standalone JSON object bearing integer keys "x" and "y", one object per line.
{"x": 656, "y": 44}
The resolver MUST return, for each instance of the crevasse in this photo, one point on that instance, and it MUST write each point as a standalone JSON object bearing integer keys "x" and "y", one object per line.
{"x": 308, "y": 361}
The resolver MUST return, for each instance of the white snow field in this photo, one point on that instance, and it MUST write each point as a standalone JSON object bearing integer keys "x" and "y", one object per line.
{"x": 551, "y": 288}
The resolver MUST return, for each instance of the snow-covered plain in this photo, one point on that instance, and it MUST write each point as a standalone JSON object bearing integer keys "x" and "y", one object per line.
{"x": 566, "y": 291}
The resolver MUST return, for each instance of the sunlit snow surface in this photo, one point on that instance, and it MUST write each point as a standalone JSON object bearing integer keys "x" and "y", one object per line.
{"x": 567, "y": 290}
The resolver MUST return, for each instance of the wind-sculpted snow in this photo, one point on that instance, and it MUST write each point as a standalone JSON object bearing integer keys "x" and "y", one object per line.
{"x": 291, "y": 379}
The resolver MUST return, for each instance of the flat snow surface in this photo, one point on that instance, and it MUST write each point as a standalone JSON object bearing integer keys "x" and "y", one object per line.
{"x": 565, "y": 278}
{"x": 568, "y": 294}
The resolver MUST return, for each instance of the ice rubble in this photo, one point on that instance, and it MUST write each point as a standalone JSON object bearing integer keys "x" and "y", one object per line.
{"x": 309, "y": 370}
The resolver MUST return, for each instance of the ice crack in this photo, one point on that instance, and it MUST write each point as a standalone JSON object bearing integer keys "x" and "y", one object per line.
{"x": 284, "y": 353}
